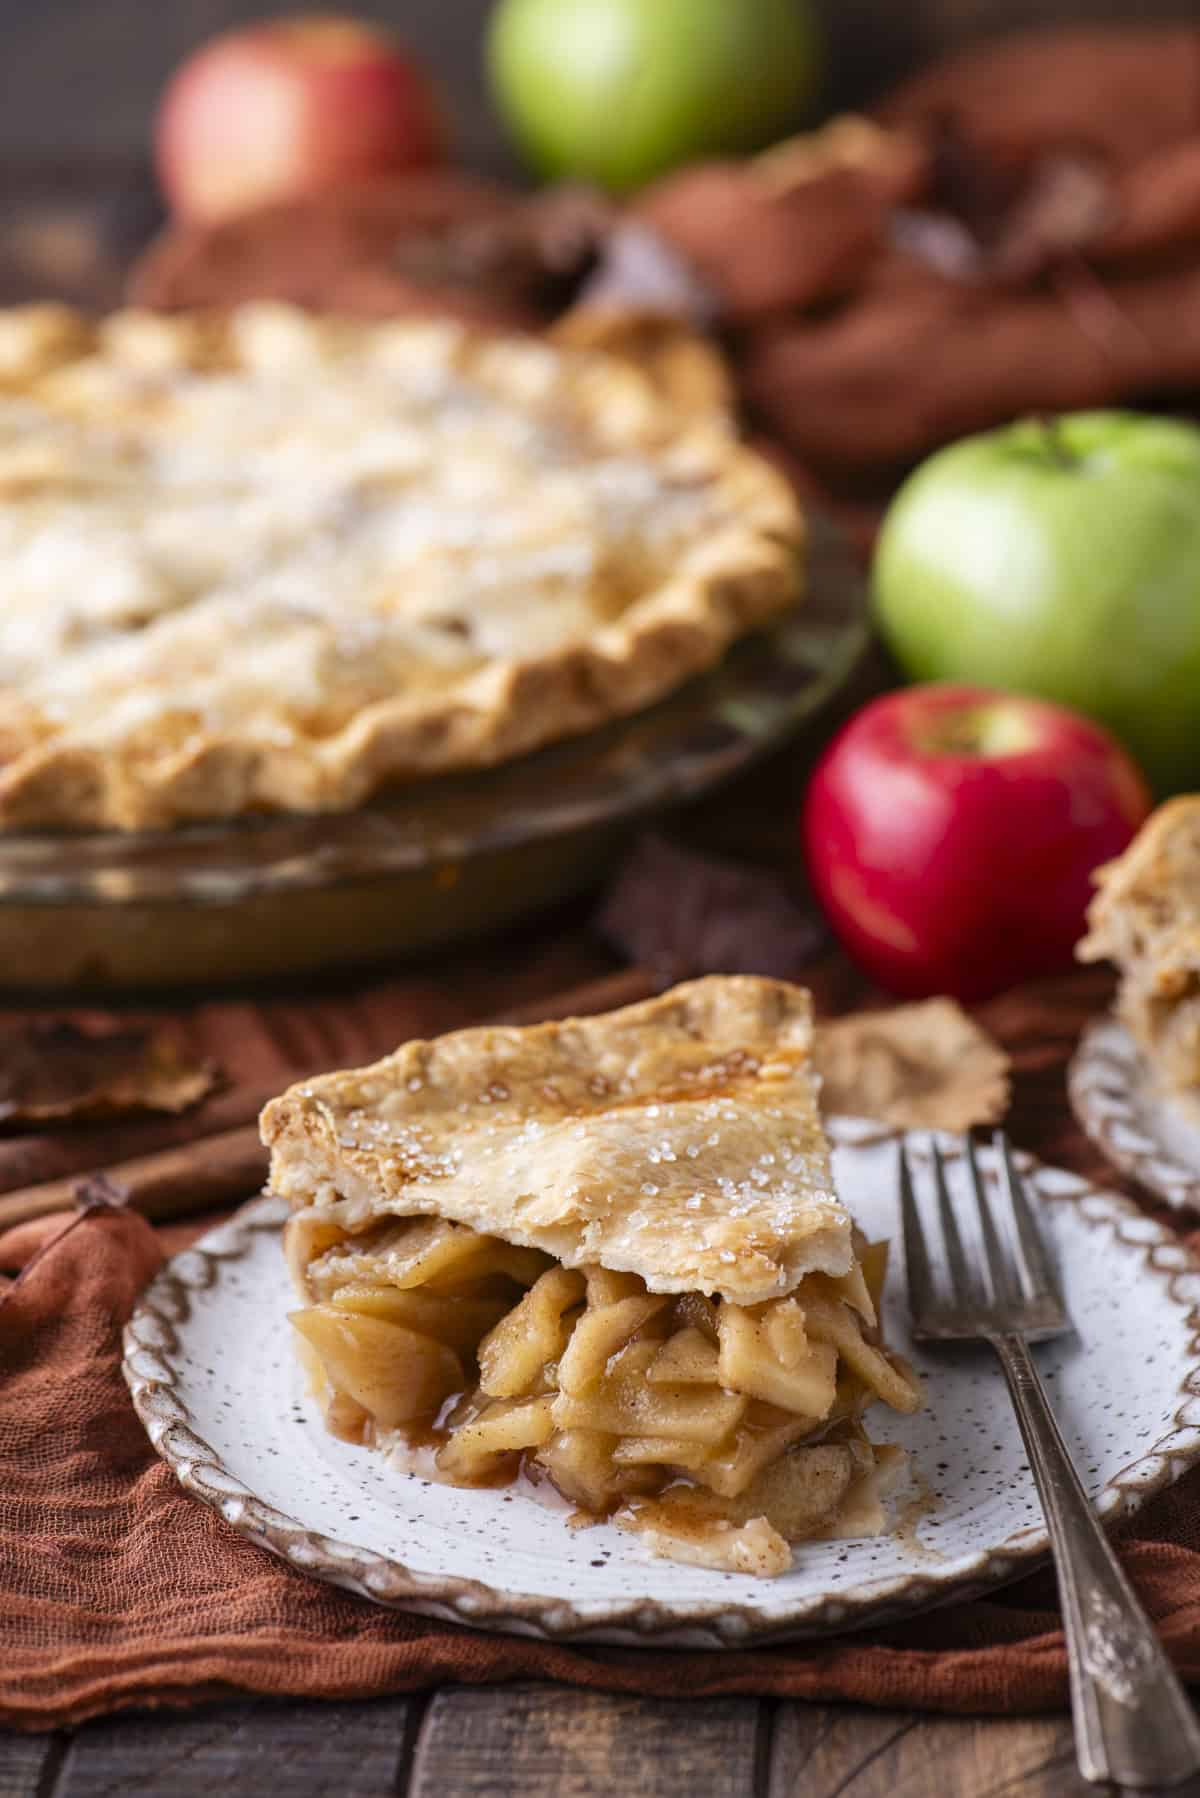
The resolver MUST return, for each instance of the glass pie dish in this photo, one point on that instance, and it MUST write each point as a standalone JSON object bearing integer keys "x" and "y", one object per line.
{"x": 434, "y": 863}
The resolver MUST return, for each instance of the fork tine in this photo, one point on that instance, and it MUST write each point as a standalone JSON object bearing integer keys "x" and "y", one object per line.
{"x": 921, "y": 1296}
{"x": 1037, "y": 1274}
{"x": 1002, "y": 1287}
{"x": 960, "y": 1277}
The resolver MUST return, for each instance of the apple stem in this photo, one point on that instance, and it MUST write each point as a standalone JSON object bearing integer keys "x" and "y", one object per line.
{"x": 1056, "y": 444}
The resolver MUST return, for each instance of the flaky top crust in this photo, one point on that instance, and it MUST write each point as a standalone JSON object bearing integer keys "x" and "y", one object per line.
{"x": 454, "y": 548}
{"x": 1145, "y": 918}
{"x": 677, "y": 1139}
{"x": 1151, "y": 891}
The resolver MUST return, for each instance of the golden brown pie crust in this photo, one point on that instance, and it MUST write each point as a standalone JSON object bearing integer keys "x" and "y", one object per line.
{"x": 182, "y": 701}
{"x": 677, "y": 1139}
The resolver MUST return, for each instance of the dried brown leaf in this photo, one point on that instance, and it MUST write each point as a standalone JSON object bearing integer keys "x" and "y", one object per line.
{"x": 536, "y": 252}
{"x": 984, "y": 220}
{"x": 57, "y": 1073}
{"x": 897, "y": 161}
{"x": 97, "y": 1192}
{"x": 1065, "y": 207}
{"x": 680, "y": 914}
{"x": 926, "y": 1066}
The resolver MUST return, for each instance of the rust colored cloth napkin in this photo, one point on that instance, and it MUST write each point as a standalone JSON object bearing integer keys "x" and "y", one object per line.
{"x": 120, "y": 1590}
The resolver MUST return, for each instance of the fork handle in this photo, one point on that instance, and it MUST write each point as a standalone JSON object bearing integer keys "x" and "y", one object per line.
{"x": 1134, "y": 1723}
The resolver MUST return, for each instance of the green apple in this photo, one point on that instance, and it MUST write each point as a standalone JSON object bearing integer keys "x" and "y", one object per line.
{"x": 1059, "y": 558}
{"x": 619, "y": 91}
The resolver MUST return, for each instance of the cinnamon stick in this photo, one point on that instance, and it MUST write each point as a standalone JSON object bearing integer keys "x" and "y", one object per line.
{"x": 230, "y": 1163}
{"x": 195, "y": 1176}
{"x": 47, "y": 1156}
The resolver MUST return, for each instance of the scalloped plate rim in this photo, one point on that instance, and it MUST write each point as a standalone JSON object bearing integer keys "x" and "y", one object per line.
{"x": 1105, "y": 1067}
{"x": 386, "y": 1581}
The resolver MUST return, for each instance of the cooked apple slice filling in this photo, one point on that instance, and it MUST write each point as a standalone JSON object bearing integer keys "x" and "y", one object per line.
{"x": 720, "y": 1432}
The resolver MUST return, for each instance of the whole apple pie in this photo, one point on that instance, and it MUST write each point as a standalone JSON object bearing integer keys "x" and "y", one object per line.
{"x": 605, "y": 1255}
{"x": 259, "y": 560}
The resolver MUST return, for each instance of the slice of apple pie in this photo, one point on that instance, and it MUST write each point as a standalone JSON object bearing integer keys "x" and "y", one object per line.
{"x": 1145, "y": 918}
{"x": 605, "y": 1254}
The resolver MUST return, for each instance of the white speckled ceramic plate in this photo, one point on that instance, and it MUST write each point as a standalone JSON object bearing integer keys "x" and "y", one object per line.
{"x": 213, "y": 1377}
{"x": 1147, "y": 1132}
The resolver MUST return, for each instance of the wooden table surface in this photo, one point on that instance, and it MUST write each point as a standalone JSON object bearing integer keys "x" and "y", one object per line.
{"x": 526, "y": 1739}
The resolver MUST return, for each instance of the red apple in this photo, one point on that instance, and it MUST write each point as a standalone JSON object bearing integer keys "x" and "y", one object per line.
{"x": 289, "y": 107}
{"x": 951, "y": 833}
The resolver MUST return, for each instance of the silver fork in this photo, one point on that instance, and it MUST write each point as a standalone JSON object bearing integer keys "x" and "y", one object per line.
{"x": 1133, "y": 1721}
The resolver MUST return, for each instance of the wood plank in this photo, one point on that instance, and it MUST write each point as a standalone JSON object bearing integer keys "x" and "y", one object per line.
{"x": 356, "y": 1750}
{"x": 821, "y": 1750}
{"x": 27, "y": 1764}
{"x": 547, "y": 1740}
